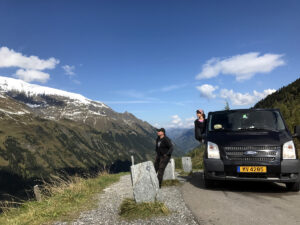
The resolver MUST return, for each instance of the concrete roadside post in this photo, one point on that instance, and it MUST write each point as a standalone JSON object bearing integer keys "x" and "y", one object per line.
{"x": 169, "y": 173}
{"x": 187, "y": 164}
{"x": 144, "y": 182}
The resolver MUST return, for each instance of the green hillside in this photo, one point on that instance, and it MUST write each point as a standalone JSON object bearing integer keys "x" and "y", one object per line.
{"x": 287, "y": 99}
{"x": 33, "y": 148}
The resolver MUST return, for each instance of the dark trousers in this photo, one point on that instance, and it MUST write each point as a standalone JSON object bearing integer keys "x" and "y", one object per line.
{"x": 160, "y": 165}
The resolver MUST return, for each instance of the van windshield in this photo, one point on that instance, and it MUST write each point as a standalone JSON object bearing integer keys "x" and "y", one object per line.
{"x": 245, "y": 120}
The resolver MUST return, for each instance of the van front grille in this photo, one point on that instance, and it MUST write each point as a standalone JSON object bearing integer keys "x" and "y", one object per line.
{"x": 259, "y": 153}
{"x": 249, "y": 148}
{"x": 256, "y": 159}
{"x": 252, "y": 153}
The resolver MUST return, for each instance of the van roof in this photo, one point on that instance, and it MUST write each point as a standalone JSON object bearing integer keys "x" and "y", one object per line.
{"x": 245, "y": 110}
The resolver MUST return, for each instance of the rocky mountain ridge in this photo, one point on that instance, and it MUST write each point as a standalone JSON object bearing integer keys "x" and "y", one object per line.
{"x": 44, "y": 132}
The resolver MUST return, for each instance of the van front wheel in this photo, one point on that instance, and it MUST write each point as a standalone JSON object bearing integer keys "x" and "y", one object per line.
{"x": 295, "y": 186}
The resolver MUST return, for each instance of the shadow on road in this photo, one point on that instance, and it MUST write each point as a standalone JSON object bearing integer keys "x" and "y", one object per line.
{"x": 239, "y": 186}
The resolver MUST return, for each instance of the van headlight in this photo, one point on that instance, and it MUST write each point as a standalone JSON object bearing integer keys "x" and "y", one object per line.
{"x": 212, "y": 151}
{"x": 289, "y": 150}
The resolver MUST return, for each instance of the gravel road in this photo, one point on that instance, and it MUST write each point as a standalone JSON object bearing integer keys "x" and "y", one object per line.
{"x": 241, "y": 203}
{"x": 109, "y": 202}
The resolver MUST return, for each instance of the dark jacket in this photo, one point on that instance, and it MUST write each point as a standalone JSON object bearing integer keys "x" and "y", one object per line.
{"x": 200, "y": 128}
{"x": 165, "y": 147}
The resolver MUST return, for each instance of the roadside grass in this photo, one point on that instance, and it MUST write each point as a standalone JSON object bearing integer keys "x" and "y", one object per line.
{"x": 62, "y": 200}
{"x": 167, "y": 183}
{"x": 130, "y": 210}
{"x": 197, "y": 159}
{"x": 182, "y": 173}
{"x": 178, "y": 163}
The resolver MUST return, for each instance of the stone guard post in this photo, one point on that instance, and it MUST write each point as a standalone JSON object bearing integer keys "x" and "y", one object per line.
{"x": 144, "y": 182}
{"x": 169, "y": 173}
{"x": 187, "y": 164}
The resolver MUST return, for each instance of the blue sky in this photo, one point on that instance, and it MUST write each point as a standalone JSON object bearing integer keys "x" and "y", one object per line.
{"x": 160, "y": 60}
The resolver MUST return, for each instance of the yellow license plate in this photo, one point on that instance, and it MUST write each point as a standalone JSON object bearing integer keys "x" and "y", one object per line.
{"x": 252, "y": 169}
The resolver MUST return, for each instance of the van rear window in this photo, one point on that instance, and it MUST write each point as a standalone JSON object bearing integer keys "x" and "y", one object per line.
{"x": 245, "y": 120}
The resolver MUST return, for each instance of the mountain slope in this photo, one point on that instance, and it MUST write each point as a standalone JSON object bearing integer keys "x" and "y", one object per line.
{"x": 287, "y": 99}
{"x": 31, "y": 146}
{"x": 43, "y": 132}
{"x": 184, "y": 138}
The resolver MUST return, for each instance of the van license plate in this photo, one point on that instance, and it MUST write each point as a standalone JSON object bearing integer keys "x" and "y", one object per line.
{"x": 252, "y": 169}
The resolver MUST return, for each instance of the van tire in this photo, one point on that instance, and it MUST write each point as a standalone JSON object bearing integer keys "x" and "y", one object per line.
{"x": 295, "y": 186}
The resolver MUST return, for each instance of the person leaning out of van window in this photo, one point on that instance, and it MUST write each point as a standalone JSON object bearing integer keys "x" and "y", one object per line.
{"x": 200, "y": 125}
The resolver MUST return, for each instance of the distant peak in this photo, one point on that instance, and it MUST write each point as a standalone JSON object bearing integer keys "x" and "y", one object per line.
{"x": 11, "y": 84}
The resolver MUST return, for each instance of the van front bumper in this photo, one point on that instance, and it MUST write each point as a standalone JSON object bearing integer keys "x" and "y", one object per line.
{"x": 285, "y": 171}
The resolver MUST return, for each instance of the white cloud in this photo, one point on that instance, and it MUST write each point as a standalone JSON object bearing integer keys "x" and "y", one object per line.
{"x": 30, "y": 66}
{"x": 207, "y": 90}
{"x": 177, "y": 122}
{"x": 168, "y": 88}
{"x": 32, "y": 75}
{"x": 244, "y": 99}
{"x": 189, "y": 122}
{"x": 69, "y": 70}
{"x": 156, "y": 125}
{"x": 10, "y": 58}
{"x": 243, "y": 66}
{"x": 263, "y": 94}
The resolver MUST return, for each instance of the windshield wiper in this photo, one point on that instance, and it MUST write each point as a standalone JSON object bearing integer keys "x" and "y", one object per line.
{"x": 255, "y": 128}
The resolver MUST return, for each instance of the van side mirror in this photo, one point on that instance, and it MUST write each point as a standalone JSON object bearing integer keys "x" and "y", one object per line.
{"x": 296, "y": 131}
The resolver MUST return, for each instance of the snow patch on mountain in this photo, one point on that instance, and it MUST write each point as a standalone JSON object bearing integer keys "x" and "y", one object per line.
{"x": 11, "y": 84}
{"x": 14, "y": 113}
{"x": 33, "y": 105}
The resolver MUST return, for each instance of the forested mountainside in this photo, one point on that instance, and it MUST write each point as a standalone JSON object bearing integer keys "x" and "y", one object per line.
{"x": 287, "y": 99}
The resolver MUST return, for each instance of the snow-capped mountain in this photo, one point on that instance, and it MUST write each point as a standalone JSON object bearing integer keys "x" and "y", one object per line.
{"x": 55, "y": 104}
{"x": 8, "y": 84}
{"x": 45, "y": 130}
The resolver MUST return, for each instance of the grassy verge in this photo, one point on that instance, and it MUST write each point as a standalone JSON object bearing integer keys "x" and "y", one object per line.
{"x": 130, "y": 210}
{"x": 178, "y": 163}
{"x": 167, "y": 183}
{"x": 61, "y": 200}
{"x": 182, "y": 173}
{"x": 197, "y": 158}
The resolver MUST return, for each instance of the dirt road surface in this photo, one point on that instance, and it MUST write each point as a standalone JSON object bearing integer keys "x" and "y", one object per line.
{"x": 241, "y": 203}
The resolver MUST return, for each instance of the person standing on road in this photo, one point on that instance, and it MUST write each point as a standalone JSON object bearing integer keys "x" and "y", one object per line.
{"x": 164, "y": 149}
{"x": 200, "y": 125}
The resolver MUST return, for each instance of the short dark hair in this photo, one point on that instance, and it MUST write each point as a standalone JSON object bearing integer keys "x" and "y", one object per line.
{"x": 161, "y": 129}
